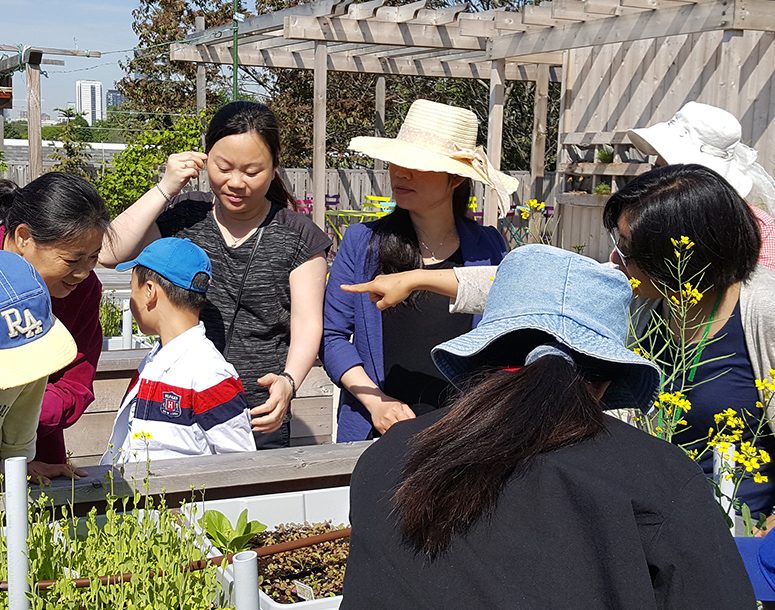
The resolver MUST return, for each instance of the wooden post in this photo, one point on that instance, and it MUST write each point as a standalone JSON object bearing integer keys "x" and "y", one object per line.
{"x": 33, "y": 116}
{"x": 538, "y": 149}
{"x": 319, "y": 135}
{"x": 379, "y": 115}
{"x": 495, "y": 135}
{"x": 201, "y": 97}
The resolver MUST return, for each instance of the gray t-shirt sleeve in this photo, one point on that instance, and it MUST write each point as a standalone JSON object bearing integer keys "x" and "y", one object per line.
{"x": 474, "y": 285}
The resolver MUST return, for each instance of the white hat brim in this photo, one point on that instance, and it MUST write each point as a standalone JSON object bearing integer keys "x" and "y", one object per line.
{"x": 39, "y": 358}
{"x": 662, "y": 139}
{"x": 412, "y": 156}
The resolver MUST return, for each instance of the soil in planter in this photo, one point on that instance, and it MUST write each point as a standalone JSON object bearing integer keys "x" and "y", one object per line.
{"x": 320, "y": 566}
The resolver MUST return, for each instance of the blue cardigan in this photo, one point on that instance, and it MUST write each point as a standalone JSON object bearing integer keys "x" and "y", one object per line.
{"x": 348, "y": 315}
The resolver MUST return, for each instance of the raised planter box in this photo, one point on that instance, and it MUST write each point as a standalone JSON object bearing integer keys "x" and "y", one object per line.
{"x": 298, "y": 507}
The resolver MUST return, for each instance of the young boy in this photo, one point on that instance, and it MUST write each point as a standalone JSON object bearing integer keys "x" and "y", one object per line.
{"x": 185, "y": 399}
{"x": 33, "y": 345}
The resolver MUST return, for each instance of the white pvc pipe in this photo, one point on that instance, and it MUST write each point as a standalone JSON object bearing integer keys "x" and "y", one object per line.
{"x": 246, "y": 580}
{"x": 16, "y": 532}
{"x": 126, "y": 325}
{"x": 723, "y": 463}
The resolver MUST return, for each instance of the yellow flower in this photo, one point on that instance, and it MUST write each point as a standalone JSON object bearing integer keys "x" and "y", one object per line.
{"x": 525, "y": 214}
{"x": 758, "y": 477}
{"x": 675, "y": 300}
{"x": 634, "y": 283}
{"x": 143, "y": 436}
{"x": 691, "y": 294}
{"x": 682, "y": 422}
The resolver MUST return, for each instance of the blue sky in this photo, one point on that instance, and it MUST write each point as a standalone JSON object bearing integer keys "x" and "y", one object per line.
{"x": 84, "y": 24}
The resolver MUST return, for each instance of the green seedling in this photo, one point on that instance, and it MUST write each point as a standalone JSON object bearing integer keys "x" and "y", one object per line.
{"x": 227, "y": 538}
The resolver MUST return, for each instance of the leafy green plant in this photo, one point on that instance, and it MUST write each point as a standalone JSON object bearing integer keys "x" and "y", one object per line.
{"x": 602, "y": 189}
{"x": 74, "y": 156}
{"x": 111, "y": 316}
{"x": 137, "y": 534}
{"x": 605, "y": 154}
{"x": 3, "y": 164}
{"x": 227, "y": 538}
{"x": 137, "y": 168}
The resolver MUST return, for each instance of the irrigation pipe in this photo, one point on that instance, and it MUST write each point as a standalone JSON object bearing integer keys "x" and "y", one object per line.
{"x": 263, "y": 551}
{"x": 246, "y": 580}
{"x": 16, "y": 532}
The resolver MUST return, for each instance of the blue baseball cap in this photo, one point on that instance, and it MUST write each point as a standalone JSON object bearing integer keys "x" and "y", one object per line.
{"x": 177, "y": 260}
{"x": 759, "y": 558}
{"x": 33, "y": 343}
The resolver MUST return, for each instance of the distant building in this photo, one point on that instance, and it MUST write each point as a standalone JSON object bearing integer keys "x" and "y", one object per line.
{"x": 113, "y": 99}
{"x": 88, "y": 100}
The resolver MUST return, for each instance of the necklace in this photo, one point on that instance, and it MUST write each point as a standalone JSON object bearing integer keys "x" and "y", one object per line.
{"x": 229, "y": 238}
{"x": 434, "y": 259}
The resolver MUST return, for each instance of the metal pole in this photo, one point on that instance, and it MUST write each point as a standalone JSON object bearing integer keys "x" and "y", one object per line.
{"x": 16, "y": 532}
{"x": 234, "y": 56}
{"x": 126, "y": 324}
{"x": 246, "y": 580}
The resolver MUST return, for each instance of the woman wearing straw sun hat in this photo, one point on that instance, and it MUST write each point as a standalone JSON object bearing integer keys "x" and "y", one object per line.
{"x": 386, "y": 372}
{"x": 524, "y": 494}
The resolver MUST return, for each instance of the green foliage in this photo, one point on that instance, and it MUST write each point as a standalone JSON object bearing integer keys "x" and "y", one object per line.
{"x": 3, "y": 164}
{"x": 602, "y": 189}
{"x": 136, "y": 169}
{"x": 154, "y": 83}
{"x": 110, "y": 316}
{"x": 73, "y": 157}
{"x": 16, "y": 130}
{"x": 226, "y": 538}
{"x": 605, "y": 154}
{"x": 144, "y": 539}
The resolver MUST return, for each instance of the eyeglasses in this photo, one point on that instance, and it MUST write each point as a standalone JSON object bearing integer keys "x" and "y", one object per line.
{"x": 615, "y": 238}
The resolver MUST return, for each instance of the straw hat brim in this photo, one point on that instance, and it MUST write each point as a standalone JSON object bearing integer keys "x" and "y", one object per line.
{"x": 661, "y": 139}
{"x": 39, "y": 358}
{"x": 413, "y": 156}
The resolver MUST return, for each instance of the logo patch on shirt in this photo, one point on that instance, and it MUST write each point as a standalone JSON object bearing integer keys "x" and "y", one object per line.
{"x": 170, "y": 405}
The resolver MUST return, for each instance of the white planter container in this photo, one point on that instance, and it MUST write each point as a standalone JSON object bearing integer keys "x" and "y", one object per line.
{"x": 297, "y": 507}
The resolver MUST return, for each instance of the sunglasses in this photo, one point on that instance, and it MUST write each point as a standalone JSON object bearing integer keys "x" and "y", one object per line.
{"x": 615, "y": 238}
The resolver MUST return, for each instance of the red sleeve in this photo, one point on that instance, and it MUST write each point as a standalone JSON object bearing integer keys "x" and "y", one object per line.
{"x": 71, "y": 390}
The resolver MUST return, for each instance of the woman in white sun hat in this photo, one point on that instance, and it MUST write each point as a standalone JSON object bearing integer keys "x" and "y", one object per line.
{"x": 710, "y": 136}
{"x": 386, "y": 372}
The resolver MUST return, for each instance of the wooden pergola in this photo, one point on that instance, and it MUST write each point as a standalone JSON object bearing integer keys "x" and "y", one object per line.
{"x": 497, "y": 45}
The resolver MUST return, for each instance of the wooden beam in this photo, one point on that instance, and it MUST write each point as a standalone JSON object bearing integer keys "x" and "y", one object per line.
{"x": 381, "y": 32}
{"x": 319, "y": 136}
{"x": 364, "y": 10}
{"x": 495, "y": 138}
{"x": 754, "y": 15}
{"x": 222, "y": 476}
{"x": 270, "y": 21}
{"x": 441, "y": 16}
{"x": 343, "y": 62}
{"x": 379, "y": 116}
{"x": 401, "y": 14}
{"x": 706, "y": 16}
{"x": 55, "y": 51}
{"x": 34, "y": 136}
{"x": 538, "y": 147}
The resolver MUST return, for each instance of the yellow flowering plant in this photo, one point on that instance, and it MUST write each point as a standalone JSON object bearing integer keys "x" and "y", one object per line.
{"x": 671, "y": 341}
{"x": 530, "y": 224}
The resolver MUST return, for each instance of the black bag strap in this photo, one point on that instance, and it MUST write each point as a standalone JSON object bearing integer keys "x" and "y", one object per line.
{"x": 230, "y": 328}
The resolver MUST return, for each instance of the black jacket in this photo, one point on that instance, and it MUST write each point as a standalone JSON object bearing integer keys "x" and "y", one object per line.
{"x": 622, "y": 520}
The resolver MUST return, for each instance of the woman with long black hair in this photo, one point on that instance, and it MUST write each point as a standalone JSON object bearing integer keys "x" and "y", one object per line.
{"x": 524, "y": 494}
{"x": 386, "y": 372}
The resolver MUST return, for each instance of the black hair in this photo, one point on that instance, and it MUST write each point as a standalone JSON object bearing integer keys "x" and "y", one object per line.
{"x": 57, "y": 207}
{"x": 692, "y": 200}
{"x": 495, "y": 429}
{"x": 181, "y": 297}
{"x": 245, "y": 117}
{"x": 394, "y": 241}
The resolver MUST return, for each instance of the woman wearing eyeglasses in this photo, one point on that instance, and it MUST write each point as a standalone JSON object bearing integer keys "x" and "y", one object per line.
{"x": 734, "y": 320}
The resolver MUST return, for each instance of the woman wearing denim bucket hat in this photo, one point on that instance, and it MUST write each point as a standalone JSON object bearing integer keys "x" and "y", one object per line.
{"x": 386, "y": 371}
{"x": 524, "y": 493}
